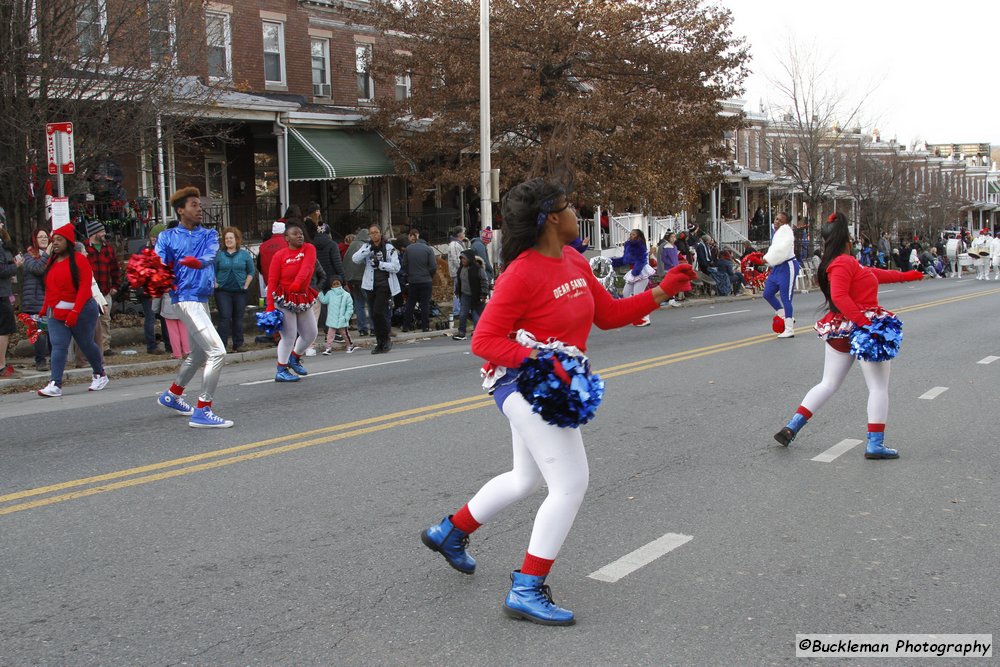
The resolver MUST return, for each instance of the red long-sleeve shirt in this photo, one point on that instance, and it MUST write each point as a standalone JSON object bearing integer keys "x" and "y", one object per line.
{"x": 550, "y": 298}
{"x": 854, "y": 288}
{"x": 59, "y": 285}
{"x": 290, "y": 266}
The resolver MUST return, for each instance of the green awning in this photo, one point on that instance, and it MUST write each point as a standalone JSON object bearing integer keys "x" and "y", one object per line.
{"x": 324, "y": 154}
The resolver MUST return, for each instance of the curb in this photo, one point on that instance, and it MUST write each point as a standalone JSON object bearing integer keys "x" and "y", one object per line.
{"x": 38, "y": 379}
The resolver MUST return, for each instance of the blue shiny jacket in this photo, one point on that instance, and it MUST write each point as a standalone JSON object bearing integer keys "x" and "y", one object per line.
{"x": 173, "y": 245}
{"x": 635, "y": 254}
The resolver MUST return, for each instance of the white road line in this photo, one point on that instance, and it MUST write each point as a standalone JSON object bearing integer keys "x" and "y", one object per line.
{"x": 733, "y": 312}
{"x": 933, "y": 393}
{"x": 339, "y": 370}
{"x": 835, "y": 451}
{"x": 885, "y": 291}
{"x": 645, "y": 555}
{"x": 987, "y": 360}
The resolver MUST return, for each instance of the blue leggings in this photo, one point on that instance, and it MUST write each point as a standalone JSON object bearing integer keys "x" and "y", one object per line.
{"x": 781, "y": 283}
{"x": 83, "y": 334}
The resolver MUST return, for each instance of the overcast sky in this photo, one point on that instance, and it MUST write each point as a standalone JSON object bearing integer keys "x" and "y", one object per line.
{"x": 934, "y": 67}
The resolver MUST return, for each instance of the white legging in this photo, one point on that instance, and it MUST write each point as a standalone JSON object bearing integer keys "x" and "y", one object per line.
{"x": 541, "y": 451}
{"x": 297, "y": 333}
{"x": 835, "y": 368}
{"x": 638, "y": 287}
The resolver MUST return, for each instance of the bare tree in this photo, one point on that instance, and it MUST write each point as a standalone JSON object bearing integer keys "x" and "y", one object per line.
{"x": 880, "y": 183}
{"x": 112, "y": 67}
{"x": 627, "y": 91}
{"x": 806, "y": 133}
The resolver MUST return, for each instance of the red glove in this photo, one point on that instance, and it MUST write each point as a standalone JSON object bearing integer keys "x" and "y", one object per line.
{"x": 913, "y": 275}
{"x": 678, "y": 279}
{"x": 295, "y": 287}
{"x": 191, "y": 262}
{"x": 71, "y": 318}
{"x": 560, "y": 372}
{"x": 270, "y": 309}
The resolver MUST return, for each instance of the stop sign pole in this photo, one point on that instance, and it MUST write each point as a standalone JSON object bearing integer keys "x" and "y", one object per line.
{"x": 59, "y": 163}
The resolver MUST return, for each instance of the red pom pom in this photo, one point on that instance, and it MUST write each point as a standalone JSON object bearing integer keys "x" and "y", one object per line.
{"x": 30, "y": 327}
{"x": 147, "y": 272}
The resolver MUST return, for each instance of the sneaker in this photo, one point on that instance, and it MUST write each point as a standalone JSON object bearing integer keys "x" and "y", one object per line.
{"x": 205, "y": 418}
{"x": 311, "y": 352}
{"x": 327, "y": 352}
{"x": 9, "y": 372}
{"x": 51, "y": 390}
{"x": 41, "y": 367}
{"x": 675, "y": 303}
{"x": 156, "y": 351}
{"x": 241, "y": 348}
{"x": 362, "y": 332}
{"x": 351, "y": 348}
{"x": 99, "y": 383}
{"x": 338, "y": 338}
{"x": 175, "y": 403}
{"x": 285, "y": 375}
{"x": 109, "y": 352}
{"x": 460, "y": 336}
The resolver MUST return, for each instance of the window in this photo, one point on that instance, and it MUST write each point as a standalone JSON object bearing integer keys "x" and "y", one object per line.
{"x": 91, "y": 22}
{"x": 366, "y": 85}
{"x": 274, "y": 52}
{"x": 148, "y": 179}
{"x": 220, "y": 41}
{"x": 161, "y": 32}
{"x": 321, "y": 67}
{"x": 403, "y": 86}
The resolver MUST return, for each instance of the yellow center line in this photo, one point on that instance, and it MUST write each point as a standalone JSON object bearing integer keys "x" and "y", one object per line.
{"x": 181, "y": 466}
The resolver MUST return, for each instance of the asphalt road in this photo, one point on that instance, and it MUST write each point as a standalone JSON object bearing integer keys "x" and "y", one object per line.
{"x": 127, "y": 538}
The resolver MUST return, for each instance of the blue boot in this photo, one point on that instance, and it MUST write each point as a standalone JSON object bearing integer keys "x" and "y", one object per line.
{"x": 529, "y": 598}
{"x": 285, "y": 375}
{"x": 792, "y": 428}
{"x": 450, "y": 542}
{"x": 295, "y": 363}
{"x": 876, "y": 450}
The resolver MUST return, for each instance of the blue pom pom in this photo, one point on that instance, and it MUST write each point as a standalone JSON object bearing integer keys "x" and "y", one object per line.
{"x": 270, "y": 322}
{"x": 878, "y": 341}
{"x": 559, "y": 403}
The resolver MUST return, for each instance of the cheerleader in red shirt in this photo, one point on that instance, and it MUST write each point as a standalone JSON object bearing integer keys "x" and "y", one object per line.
{"x": 851, "y": 292}
{"x": 288, "y": 289}
{"x": 547, "y": 292}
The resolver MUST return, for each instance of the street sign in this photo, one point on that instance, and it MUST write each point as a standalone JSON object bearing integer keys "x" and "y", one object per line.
{"x": 60, "y": 212}
{"x": 59, "y": 144}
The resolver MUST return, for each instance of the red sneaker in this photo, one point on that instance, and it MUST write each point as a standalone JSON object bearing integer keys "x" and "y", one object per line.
{"x": 778, "y": 324}
{"x": 9, "y": 372}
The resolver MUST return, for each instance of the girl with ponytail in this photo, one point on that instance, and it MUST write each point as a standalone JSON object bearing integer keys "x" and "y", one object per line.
{"x": 546, "y": 299}
{"x": 851, "y": 292}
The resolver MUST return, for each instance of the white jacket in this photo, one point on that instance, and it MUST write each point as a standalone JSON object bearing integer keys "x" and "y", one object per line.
{"x": 389, "y": 264}
{"x": 995, "y": 248}
{"x": 782, "y": 246}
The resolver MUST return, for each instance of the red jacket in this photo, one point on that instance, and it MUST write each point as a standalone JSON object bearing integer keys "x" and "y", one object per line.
{"x": 550, "y": 298}
{"x": 266, "y": 253}
{"x": 854, "y": 288}
{"x": 59, "y": 286}
{"x": 290, "y": 266}
{"x": 104, "y": 263}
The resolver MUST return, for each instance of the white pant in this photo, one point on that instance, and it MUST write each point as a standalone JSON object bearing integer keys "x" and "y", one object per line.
{"x": 541, "y": 451}
{"x": 298, "y": 331}
{"x": 835, "y": 367}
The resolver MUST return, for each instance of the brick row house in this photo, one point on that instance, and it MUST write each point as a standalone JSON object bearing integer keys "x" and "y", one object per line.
{"x": 287, "y": 93}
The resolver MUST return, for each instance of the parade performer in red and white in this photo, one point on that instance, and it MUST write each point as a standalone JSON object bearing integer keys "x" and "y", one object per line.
{"x": 533, "y": 335}
{"x": 288, "y": 290}
{"x": 855, "y": 327}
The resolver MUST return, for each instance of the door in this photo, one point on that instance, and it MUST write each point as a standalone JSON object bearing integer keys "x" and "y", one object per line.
{"x": 216, "y": 200}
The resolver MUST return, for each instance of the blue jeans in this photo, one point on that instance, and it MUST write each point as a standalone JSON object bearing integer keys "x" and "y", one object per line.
{"x": 148, "y": 324}
{"x": 83, "y": 334}
{"x": 360, "y": 306}
{"x": 232, "y": 306}
{"x": 468, "y": 308}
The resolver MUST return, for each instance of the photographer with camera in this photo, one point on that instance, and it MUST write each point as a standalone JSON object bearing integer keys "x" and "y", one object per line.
{"x": 379, "y": 283}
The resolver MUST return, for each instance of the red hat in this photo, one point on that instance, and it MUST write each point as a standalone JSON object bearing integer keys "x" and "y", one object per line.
{"x": 984, "y": 231}
{"x": 67, "y": 232}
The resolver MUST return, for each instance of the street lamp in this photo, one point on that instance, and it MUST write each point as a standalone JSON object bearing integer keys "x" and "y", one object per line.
{"x": 486, "y": 200}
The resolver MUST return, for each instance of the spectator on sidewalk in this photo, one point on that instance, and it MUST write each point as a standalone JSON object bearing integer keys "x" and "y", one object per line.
{"x": 727, "y": 268}
{"x": 34, "y": 262}
{"x": 71, "y": 311}
{"x": 354, "y": 273}
{"x": 471, "y": 291}
{"x": 107, "y": 273}
{"x": 339, "y": 309}
{"x": 148, "y": 310}
{"x": 380, "y": 283}
{"x": 328, "y": 256}
{"x": 180, "y": 346}
{"x": 479, "y": 244}
{"x": 8, "y": 323}
{"x": 311, "y": 221}
{"x": 456, "y": 246}
{"x": 420, "y": 264}
{"x": 234, "y": 272}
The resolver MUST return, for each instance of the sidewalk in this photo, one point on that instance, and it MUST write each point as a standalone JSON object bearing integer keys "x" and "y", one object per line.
{"x": 121, "y": 367}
